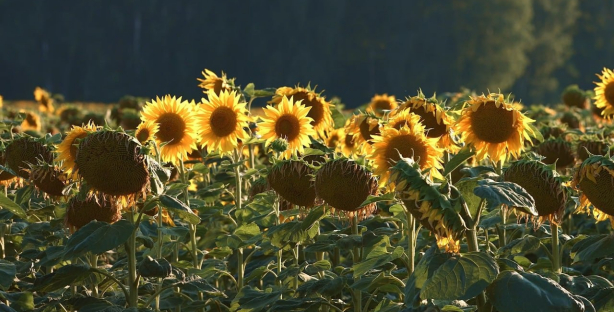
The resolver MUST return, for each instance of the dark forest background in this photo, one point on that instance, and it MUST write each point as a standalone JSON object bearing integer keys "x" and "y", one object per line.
{"x": 100, "y": 50}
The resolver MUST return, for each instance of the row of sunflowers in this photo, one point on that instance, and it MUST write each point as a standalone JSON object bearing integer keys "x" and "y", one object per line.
{"x": 425, "y": 204}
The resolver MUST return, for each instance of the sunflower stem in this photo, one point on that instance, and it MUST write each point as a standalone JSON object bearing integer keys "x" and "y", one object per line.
{"x": 132, "y": 278}
{"x": 296, "y": 255}
{"x": 356, "y": 259}
{"x": 556, "y": 254}
{"x": 237, "y": 170}
{"x": 159, "y": 255}
{"x": 411, "y": 247}
{"x": 2, "y": 245}
{"x": 94, "y": 264}
{"x": 502, "y": 232}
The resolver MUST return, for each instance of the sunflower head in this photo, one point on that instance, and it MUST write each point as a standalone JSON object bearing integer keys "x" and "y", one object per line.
{"x": 573, "y": 96}
{"x": 81, "y": 212}
{"x": 361, "y": 129}
{"x": 130, "y": 119}
{"x": 94, "y": 118}
{"x": 588, "y": 145}
{"x": 495, "y": 127}
{"x": 131, "y": 102}
{"x": 44, "y": 100}
{"x": 571, "y": 119}
{"x": 381, "y": 103}
{"x": 320, "y": 109}
{"x": 344, "y": 185}
{"x": 145, "y": 131}
{"x": 543, "y": 184}
{"x": 347, "y": 144}
{"x": 31, "y": 122}
{"x": 556, "y": 150}
{"x": 212, "y": 82}
{"x": 553, "y": 131}
{"x": 409, "y": 141}
{"x": 24, "y": 151}
{"x": 67, "y": 150}
{"x": 335, "y": 138}
{"x": 177, "y": 126}
{"x": 594, "y": 178}
{"x": 604, "y": 93}
{"x": 110, "y": 162}
{"x": 48, "y": 179}
{"x": 70, "y": 115}
{"x": 221, "y": 120}
{"x": 426, "y": 203}
{"x": 291, "y": 179}
{"x": 288, "y": 120}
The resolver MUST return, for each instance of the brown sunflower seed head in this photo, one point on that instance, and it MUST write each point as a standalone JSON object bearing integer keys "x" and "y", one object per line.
{"x": 291, "y": 179}
{"x": 81, "y": 212}
{"x": 24, "y": 151}
{"x": 110, "y": 162}
{"x": 48, "y": 179}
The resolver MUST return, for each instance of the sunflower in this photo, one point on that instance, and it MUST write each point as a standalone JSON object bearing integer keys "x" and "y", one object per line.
{"x": 335, "y": 138}
{"x": 408, "y": 141}
{"x": 588, "y": 145}
{"x": 177, "y": 126}
{"x": 1, "y": 102}
{"x": 81, "y": 212}
{"x": 494, "y": 127}
{"x": 111, "y": 163}
{"x": 24, "y": 151}
{"x": 543, "y": 184}
{"x": 435, "y": 119}
{"x": 145, "y": 131}
{"x": 31, "y": 122}
{"x": 381, "y": 103}
{"x": 573, "y": 96}
{"x": 556, "y": 150}
{"x": 604, "y": 92}
{"x": 67, "y": 150}
{"x": 291, "y": 179}
{"x": 287, "y": 121}
{"x": 595, "y": 180}
{"x": 44, "y": 100}
{"x": 320, "y": 110}
{"x": 344, "y": 185}
{"x": 213, "y": 82}
{"x": 434, "y": 209}
{"x": 48, "y": 179}
{"x": 221, "y": 120}
{"x": 361, "y": 129}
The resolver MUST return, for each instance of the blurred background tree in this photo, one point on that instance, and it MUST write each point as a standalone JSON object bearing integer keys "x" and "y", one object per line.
{"x": 99, "y": 50}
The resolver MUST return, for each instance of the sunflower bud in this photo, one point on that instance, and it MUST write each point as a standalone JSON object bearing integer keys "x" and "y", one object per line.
{"x": 280, "y": 145}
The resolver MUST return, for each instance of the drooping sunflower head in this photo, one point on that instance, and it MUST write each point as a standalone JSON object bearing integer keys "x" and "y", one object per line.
{"x": 433, "y": 116}
{"x": 604, "y": 93}
{"x": 556, "y": 150}
{"x": 426, "y": 203}
{"x": 573, "y": 96}
{"x": 289, "y": 121}
{"x": 494, "y": 127}
{"x": 111, "y": 163}
{"x": 344, "y": 185}
{"x": 594, "y": 178}
{"x": 177, "y": 126}
{"x": 212, "y": 82}
{"x": 221, "y": 120}
{"x": 361, "y": 129}
{"x": 95, "y": 118}
{"x": 571, "y": 119}
{"x": 591, "y": 144}
{"x": 381, "y": 103}
{"x": 44, "y": 100}
{"x": 48, "y": 179}
{"x": 24, "y": 151}
{"x": 409, "y": 141}
{"x": 146, "y": 131}
{"x": 335, "y": 138}
{"x": 80, "y": 212}
{"x": 67, "y": 150}
{"x": 553, "y": 131}
{"x": 6, "y": 178}
{"x": 130, "y": 119}
{"x": 543, "y": 184}
{"x": 31, "y": 122}
{"x": 320, "y": 109}
{"x": 291, "y": 179}
{"x": 70, "y": 115}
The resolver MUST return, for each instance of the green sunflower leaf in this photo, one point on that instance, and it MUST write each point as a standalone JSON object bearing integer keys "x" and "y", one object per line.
{"x": 8, "y": 204}
{"x": 507, "y": 193}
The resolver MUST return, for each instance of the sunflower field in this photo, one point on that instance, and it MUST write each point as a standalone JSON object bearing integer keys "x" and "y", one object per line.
{"x": 455, "y": 202}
